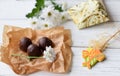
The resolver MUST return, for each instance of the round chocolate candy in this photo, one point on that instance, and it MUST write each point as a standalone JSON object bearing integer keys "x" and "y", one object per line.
{"x": 24, "y": 43}
{"x": 44, "y": 41}
{"x": 34, "y": 50}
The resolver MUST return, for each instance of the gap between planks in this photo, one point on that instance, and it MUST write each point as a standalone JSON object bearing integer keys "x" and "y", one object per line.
{"x": 87, "y": 47}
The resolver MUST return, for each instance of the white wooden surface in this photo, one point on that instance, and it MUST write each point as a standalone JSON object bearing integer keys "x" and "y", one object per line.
{"x": 12, "y": 12}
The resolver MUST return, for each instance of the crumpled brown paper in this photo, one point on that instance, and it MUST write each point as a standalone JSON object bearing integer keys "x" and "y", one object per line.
{"x": 61, "y": 38}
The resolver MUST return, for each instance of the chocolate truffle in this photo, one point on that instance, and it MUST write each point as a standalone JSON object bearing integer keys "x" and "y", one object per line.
{"x": 24, "y": 43}
{"x": 34, "y": 50}
{"x": 44, "y": 41}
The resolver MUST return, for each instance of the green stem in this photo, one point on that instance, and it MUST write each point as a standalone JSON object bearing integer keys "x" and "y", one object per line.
{"x": 29, "y": 57}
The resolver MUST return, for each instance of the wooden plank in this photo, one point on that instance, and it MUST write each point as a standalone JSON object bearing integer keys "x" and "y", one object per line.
{"x": 80, "y": 38}
{"x": 17, "y": 9}
{"x": 109, "y": 67}
{"x": 84, "y": 36}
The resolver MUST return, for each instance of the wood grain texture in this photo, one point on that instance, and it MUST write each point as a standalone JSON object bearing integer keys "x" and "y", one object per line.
{"x": 17, "y": 9}
{"x": 80, "y": 38}
{"x": 12, "y": 12}
{"x": 109, "y": 67}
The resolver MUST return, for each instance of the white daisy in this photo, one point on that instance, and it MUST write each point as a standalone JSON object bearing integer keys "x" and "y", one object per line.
{"x": 64, "y": 6}
{"x": 50, "y": 17}
{"x": 49, "y": 54}
{"x": 65, "y": 16}
{"x": 43, "y": 24}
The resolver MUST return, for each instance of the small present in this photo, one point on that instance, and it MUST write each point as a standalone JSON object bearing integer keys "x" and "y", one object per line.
{"x": 88, "y": 14}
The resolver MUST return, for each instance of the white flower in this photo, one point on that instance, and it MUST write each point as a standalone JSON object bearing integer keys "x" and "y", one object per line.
{"x": 50, "y": 17}
{"x": 64, "y": 6}
{"x": 47, "y": 12}
{"x": 65, "y": 16}
{"x": 33, "y": 21}
{"x": 49, "y": 54}
{"x": 43, "y": 24}
{"x": 48, "y": 3}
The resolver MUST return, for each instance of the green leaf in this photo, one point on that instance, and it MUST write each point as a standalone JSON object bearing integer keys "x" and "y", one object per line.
{"x": 29, "y": 15}
{"x": 38, "y": 7}
{"x": 56, "y": 6}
